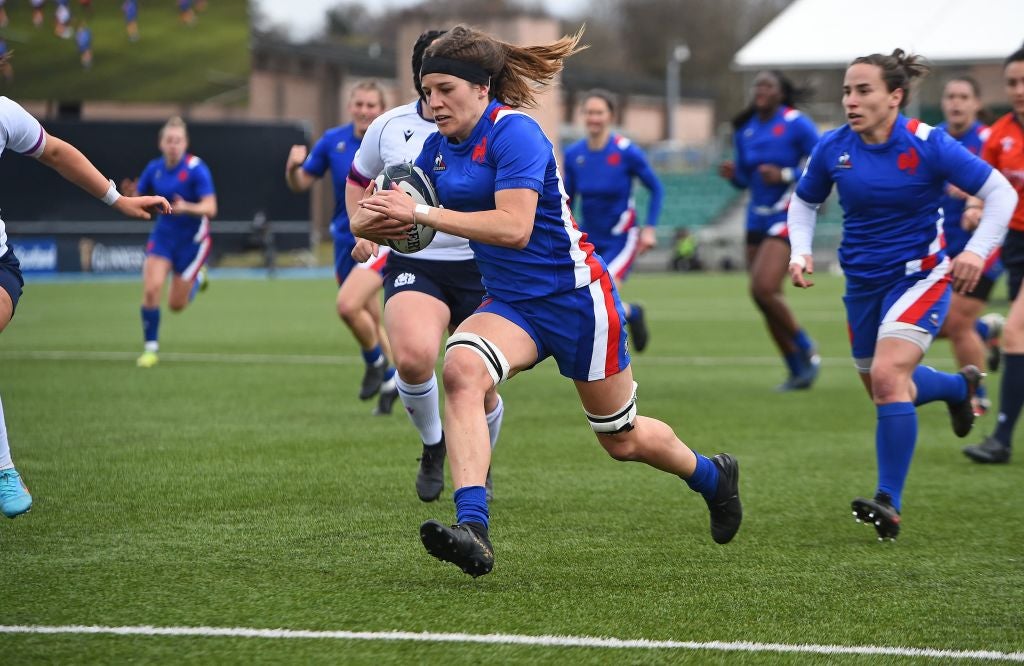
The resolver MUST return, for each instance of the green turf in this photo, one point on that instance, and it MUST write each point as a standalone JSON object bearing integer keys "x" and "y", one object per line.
{"x": 171, "y": 62}
{"x": 262, "y": 494}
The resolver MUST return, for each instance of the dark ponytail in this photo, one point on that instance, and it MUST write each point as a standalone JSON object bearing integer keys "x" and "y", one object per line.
{"x": 898, "y": 70}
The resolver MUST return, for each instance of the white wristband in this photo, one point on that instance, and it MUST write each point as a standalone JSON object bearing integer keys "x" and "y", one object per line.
{"x": 786, "y": 174}
{"x": 111, "y": 196}
{"x": 421, "y": 209}
{"x": 799, "y": 260}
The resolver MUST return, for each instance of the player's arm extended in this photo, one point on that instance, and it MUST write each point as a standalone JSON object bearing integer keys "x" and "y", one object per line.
{"x": 510, "y": 224}
{"x": 76, "y": 168}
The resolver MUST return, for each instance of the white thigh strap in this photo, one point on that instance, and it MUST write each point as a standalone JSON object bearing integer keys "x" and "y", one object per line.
{"x": 620, "y": 421}
{"x": 497, "y": 365}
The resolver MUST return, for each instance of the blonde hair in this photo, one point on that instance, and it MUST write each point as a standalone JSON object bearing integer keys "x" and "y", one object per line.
{"x": 175, "y": 122}
{"x": 372, "y": 86}
{"x": 512, "y": 68}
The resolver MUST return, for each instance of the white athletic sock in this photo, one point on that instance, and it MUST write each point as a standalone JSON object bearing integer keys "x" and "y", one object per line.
{"x": 5, "y": 448}
{"x": 420, "y": 402}
{"x": 151, "y": 346}
{"x": 494, "y": 421}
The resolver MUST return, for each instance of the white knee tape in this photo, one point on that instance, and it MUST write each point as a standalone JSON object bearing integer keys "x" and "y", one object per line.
{"x": 497, "y": 365}
{"x": 620, "y": 421}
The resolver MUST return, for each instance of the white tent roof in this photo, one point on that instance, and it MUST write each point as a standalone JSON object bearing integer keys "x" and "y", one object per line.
{"x": 823, "y": 34}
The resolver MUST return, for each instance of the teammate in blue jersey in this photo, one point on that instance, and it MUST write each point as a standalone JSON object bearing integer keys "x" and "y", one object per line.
{"x": 83, "y": 38}
{"x": 549, "y": 293}
{"x": 771, "y": 139}
{"x": 130, "y": 8}
{"x": 891, "y": 172}
{"x": 969, "y": 333}
{"x": 358, "y": 284}
{"x": 179, "y": 242}
{"x": 22, "y": 133}
{"x": 600, "y": 170}
{"x": 427, "y": 293}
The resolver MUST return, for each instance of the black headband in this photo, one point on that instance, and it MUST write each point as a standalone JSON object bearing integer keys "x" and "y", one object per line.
{"x": 468, "y": 71}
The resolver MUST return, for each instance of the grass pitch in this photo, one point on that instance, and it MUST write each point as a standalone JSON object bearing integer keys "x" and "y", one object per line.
{"x": 244, "y": 485}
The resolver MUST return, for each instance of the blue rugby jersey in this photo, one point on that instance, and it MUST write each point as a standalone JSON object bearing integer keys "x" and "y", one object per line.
{"x": 335, "y": 151}
{"x": 508, "y": 150}
{"x": 784, "y": 140}
{"x": 890, "y": 194}
{"x": 604, "y": 180}
{"x": 190, "y": 179}
{"x": 952, "y": 207}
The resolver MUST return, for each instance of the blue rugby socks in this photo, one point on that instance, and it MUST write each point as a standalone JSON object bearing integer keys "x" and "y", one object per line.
{"x": 933, "y": 385}
{"x": 895, "y": 438}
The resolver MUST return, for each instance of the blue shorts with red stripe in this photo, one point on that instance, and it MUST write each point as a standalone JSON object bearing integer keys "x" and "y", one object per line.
{"x": 345, "y": 264}
{"x": 186, "y": 247}
{"x": 618, "y": 251}
{"x": 584, "y": 329}
{"x": 920, "y": 299}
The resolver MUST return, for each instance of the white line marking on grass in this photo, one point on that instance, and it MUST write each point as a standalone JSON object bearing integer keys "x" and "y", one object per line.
{"x": 349, "y": 359}
{"x": 516, "y": 639}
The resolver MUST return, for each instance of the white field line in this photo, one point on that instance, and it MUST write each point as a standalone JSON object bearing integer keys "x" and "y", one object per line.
{"x": 517, "y": 639}
{"x": 353, "y": 359}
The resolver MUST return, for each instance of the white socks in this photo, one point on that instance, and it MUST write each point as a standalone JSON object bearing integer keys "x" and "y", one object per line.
{"x": 420, "y": 402}
{"x": 494, "y": 421}
{"x": 5, "y": 448}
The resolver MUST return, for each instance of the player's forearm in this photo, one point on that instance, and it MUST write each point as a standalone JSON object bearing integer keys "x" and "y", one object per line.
{"x": 297, "y": 179}
{"x": 75, "y": 167}
{"x": 801, "y": 222}
{"x": 1000, "y": 201}
{"x": 493, "y": 227}
{"x": 205, "y": 207}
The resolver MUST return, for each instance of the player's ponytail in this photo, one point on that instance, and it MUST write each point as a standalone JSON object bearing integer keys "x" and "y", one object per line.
{"x": 898, "y": 70}
{"x": 511, "y": 69}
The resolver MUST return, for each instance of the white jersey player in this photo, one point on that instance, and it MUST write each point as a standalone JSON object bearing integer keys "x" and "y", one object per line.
{"x": 426, "y": 293}
{"x": 23, "y": 134}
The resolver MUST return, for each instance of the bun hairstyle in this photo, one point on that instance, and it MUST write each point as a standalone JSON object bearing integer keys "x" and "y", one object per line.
{"x": 791, "y": 96}
{"x": 512, "y": 70}
{"x": 898, "y": 70}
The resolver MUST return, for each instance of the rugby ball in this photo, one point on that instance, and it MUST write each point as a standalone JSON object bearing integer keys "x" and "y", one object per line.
{"x": 411, "y": 180}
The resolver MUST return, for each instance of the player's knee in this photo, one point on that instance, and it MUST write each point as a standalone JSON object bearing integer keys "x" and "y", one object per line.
{"x": 348, "y": 310}
{"x": 886, "y": 385}
{"x": 762, "y": 292}
{"x": 414, "y": 366}
{"x": 177, "y": 305}
{"x": 621, "y": 446}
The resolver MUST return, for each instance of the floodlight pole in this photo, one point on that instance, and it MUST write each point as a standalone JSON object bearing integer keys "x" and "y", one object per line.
{"x": 677, "y": 55}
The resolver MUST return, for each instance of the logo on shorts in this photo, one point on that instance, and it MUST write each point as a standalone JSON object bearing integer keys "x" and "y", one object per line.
{"x": 844, "y": 161}
{"x": 1007, "y": 143}
{"x": 934, "y": 318}
{"x": 405, "y": 279}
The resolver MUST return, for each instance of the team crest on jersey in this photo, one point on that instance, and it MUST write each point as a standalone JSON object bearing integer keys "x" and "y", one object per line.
{"x": 405, "y": 279}
{"x": 340, "y": 147}
{"x": 439, "y": 164}
{"x": 1007, "y": 143}
{"x": 615, "y": 159}
{"x": 844, "y": 161}
{"x": 778, "y": 129}
{"x": 480, "y": 151}
{"x": 908, "y": 161}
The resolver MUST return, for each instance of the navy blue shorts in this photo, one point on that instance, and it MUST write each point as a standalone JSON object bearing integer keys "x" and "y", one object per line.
{"x": 10, "y": 276}
{"x": 455, "y": 283}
